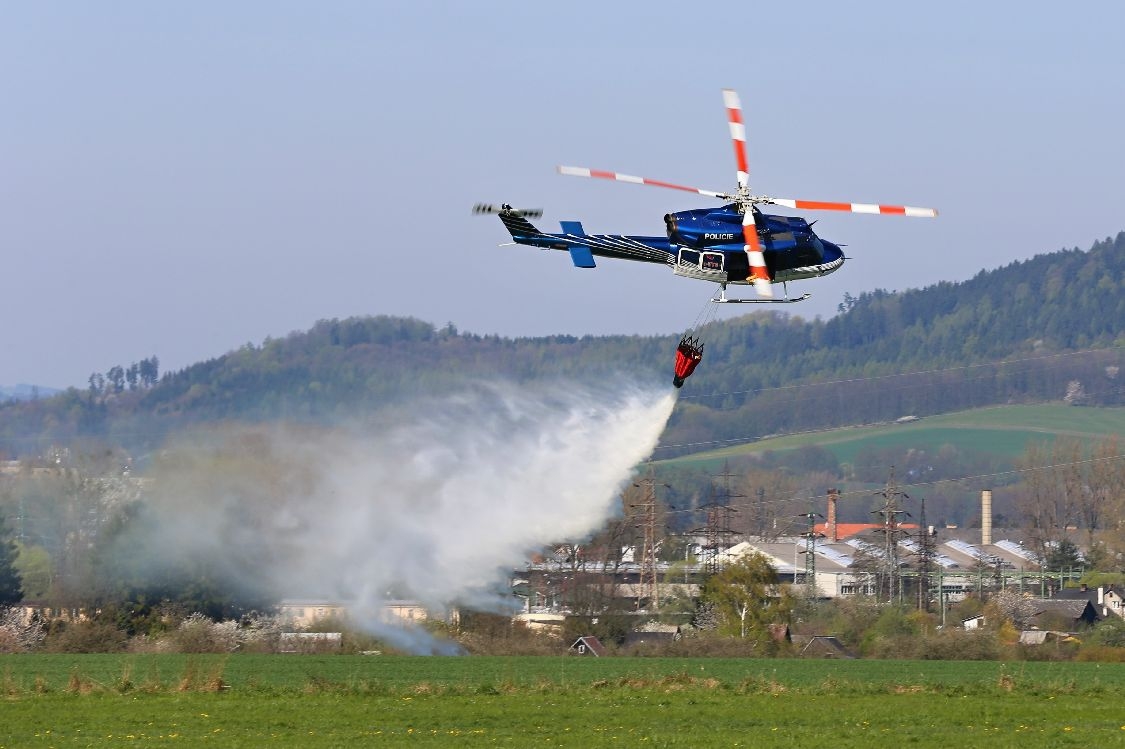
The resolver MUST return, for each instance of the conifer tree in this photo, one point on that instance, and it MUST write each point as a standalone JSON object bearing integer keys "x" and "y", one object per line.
{"x": 11, "y": 587}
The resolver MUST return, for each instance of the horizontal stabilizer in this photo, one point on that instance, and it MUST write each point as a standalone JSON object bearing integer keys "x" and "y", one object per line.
{"x": 582, "y": 256}
{"x": 573, "y": 227}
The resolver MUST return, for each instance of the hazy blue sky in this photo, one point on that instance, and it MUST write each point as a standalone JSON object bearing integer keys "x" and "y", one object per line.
{"x": 179, "y": 179}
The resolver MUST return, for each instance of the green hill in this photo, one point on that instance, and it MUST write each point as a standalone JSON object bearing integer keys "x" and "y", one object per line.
{"x": 1032, "y": 332}
{"x": 1005, "y": 336}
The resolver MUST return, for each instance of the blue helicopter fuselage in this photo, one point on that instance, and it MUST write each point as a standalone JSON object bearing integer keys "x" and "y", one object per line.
{"x": 705, "y": 244}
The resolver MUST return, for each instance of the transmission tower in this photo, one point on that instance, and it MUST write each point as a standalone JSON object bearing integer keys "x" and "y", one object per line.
{"x": 891, "y": 531}
{"x": 717, "y": 530}
{"x": 760, "y": 514}
{"x": 645, "y": 518}
{"x": 810, "y": 537}
{"x": 926, "y": 553}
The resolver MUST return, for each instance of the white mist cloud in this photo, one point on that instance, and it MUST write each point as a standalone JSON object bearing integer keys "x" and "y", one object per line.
{"x": 439, "y": 508}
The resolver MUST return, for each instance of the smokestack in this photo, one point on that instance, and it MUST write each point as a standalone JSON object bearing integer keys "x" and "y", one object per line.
{"x": 986, "y": 517}
{"x": 830, "y": 526}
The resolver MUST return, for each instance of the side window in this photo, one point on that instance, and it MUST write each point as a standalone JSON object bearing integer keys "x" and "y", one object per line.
{"x": 689, "y": 257}
{"x": 712, "y": 261}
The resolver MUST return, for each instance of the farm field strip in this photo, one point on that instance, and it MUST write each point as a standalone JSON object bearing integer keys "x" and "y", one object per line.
{"x": 274, "y": 673}
{"x": 689, "y": 716}
{"x": 974, "y": 429}
{"x": 249, "y": 700}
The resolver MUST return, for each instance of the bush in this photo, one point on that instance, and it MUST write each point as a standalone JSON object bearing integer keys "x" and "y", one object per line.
{"x": 610, "y": 629}
{"x": 894, "y": 634}
{"x": 148, "y": 644}
{"x": 1049, "y": 651}
{"x": 1101, "y": 654}
{"x": 499, "y": 635}
{"x": 352, "y": 640}
{"x": 198, "y": 634}
{"x": 91, "y": 636}
{"x": 17, "y": 635}
{"x": 962, "y": 646}
{"x": 1107, "y": 633}
{"x": 899, "y": 646}
{"x": 710, "y": 645}
{"x": 846, "y": 618}
{"x": 260, "y": 634}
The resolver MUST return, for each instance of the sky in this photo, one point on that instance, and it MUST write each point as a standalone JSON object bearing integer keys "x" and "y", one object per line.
{"x": 181, "y": 179}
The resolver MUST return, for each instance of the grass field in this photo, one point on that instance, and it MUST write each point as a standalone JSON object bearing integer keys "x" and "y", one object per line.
{"x": 1003, "y": 430}
{"x": 248, "y": 700}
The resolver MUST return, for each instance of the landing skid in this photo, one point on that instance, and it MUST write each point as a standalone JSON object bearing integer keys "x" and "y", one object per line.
{"x": 722, "y": 298}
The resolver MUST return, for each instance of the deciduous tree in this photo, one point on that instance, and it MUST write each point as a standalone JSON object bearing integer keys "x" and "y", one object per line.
{"x": 748, "y": 599}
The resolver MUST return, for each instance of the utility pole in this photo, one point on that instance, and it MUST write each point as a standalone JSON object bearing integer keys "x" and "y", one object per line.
{"x": 760, "y": 514}
{"x": 891, "y": 532}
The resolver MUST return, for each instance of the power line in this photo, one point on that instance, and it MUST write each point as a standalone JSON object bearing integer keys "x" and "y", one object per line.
{"x": 779, "y": 501}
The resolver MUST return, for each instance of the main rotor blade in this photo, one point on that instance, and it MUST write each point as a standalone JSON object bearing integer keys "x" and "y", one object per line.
{"x": 820, "y": 205}
{"x": 757, "y": 260}
{"x": 737, "y": 134}
{"x": 578, "y": 171}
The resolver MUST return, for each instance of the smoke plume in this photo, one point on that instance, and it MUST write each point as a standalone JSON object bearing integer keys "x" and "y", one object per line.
{"x": 439, "y": 507}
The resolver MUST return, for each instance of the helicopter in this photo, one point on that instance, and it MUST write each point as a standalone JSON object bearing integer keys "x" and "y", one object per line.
{"x": 735, "y": 244}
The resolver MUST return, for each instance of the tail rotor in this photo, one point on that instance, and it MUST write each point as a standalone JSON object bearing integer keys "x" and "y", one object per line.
{"x": 506, "y": 210}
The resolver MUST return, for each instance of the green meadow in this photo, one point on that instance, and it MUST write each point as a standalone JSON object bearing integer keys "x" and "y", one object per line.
{"x": 1004, "y": 431}
{"x": 248, "y": 700}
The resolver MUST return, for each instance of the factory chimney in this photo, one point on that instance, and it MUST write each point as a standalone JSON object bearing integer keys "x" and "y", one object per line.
{"x": 830, "y": 528}
{"x": 986, "y": 517}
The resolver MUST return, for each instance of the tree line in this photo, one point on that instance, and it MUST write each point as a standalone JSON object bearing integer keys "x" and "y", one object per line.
{"x": 142, "y": 374}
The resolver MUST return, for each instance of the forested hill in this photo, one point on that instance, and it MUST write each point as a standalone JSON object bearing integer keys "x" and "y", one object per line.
{"x": 763, "y": 373}
{"x": 1042, "y": 317}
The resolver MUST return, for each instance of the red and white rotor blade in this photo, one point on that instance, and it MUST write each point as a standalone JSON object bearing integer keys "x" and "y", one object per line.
{"x": 758, "y": 271}
{"x": 579, "y": 171}
{"x": 820, "y": 205}
{"x": 737, "y": 134}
